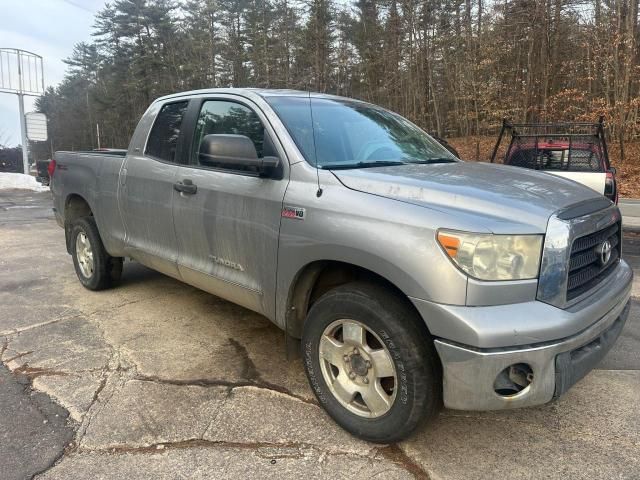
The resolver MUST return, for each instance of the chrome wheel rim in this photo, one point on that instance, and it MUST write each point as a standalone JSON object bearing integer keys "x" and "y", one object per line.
{"x": 84, "y": 254}
{"x": 358, "y": 368}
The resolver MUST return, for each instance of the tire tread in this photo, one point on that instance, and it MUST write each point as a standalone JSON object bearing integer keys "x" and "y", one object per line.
{"x": 407, "y": 330}
{"x": 107, "y": 269}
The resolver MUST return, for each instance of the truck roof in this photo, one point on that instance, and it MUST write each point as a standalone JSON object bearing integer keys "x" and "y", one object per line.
{"x": 249, "y": 92}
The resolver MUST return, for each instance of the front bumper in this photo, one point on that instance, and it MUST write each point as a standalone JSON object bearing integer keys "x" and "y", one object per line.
{"x": 469, "y": 373}
{"x": 526, "y": 323}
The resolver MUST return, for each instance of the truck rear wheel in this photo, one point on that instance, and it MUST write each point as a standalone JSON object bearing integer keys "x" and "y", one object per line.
{"x": 95, "y": 268}
{"x": 370, "y": 362}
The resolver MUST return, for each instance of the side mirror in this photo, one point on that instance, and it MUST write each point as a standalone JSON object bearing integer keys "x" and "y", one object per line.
{"x": 235, "y": 152}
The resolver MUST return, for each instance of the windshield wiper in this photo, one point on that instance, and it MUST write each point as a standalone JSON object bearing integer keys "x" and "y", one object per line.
{"x": 433, "y": 160}
{"x": 377, "y": 163}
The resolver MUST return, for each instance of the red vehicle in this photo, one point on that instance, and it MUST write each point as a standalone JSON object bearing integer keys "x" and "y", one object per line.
{"x": 577, "y": 151}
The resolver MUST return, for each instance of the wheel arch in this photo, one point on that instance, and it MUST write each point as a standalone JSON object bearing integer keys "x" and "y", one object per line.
{"x": 75, "y": 206}
{"x": 318, "y": 277}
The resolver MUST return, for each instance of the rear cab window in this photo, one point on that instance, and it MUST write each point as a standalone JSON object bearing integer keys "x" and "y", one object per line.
{"x": 163, "y": 138}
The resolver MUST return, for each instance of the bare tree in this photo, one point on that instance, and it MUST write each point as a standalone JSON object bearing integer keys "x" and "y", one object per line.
{"x": 456, "y": 67}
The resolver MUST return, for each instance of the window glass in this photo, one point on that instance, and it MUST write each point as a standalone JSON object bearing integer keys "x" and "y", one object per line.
{"x": 295, "y": 113}
{"x": 339, "y": 133}
{"x": 163, "y": 138}
{"x": 222, "y": 117}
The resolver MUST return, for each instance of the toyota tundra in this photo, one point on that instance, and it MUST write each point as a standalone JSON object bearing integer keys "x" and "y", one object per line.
{"x": 409, "y": 278}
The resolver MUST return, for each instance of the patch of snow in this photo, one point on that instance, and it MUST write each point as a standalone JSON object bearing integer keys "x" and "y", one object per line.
{"x": 20, "y": 181}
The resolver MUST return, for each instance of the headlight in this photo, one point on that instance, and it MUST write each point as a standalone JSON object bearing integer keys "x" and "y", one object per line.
{"x": 493, "y": 257}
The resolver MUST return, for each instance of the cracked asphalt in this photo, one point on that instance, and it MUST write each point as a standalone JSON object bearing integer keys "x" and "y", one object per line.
{"x": 155, "y": 379}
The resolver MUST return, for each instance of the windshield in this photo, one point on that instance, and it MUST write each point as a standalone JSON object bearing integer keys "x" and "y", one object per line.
{"x": 334, "y": 133}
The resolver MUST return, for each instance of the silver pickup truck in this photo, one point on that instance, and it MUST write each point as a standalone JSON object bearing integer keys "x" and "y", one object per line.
{"x": 409, "y": 278}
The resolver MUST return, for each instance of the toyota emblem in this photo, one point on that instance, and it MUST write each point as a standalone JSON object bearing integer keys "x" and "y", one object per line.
{"x": 604, "y": 252}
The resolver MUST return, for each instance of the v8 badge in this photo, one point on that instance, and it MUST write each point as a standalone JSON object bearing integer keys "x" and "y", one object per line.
{"x": 296, "y": 213}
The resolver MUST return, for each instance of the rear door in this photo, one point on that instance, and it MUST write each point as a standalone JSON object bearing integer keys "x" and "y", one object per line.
{"x": 147, "y": 192}
{"x": 227, "y": 230}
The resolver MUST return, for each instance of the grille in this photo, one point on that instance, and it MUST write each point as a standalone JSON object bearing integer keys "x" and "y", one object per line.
{"x": 585, "y": 267}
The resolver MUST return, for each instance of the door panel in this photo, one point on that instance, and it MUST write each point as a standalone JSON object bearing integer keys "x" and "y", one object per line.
{"x": 228, "y": 235}
{"x": 227, "y": 232}
{"x": 146, "y": 202}
{"x": 147, "y": 190}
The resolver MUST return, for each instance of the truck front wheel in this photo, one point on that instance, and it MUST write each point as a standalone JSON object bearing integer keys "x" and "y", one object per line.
{"x": 370, "y": 362}
{"x": 95, "y": 268}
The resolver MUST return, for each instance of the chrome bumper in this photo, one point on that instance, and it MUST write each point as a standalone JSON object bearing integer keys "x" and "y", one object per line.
{"x": 469, "y": 373}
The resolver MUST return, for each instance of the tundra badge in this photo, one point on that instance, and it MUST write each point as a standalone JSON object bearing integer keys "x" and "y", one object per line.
{"x": 227, "y": 263}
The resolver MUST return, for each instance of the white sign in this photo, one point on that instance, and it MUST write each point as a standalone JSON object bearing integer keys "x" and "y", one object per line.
{"x": 21, "y": 72}
{"x": 36, "y": 127}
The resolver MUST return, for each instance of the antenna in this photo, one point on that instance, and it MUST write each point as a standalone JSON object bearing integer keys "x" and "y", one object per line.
{"x": 315, "y": 151}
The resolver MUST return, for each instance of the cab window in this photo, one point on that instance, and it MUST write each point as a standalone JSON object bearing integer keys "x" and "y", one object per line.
{"x": 224, "y": 117}
{"x": 163, "y": 138}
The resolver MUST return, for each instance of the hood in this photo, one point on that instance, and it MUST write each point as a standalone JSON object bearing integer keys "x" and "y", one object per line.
{"x": 503, "y": 195}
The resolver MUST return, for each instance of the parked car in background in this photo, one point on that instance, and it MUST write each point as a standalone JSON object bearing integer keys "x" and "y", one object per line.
{"x": 577, "y": 151}
{"x": 408, "y": 277}
{"x": 11, "y": 160}
{"x": 42, "y": 171}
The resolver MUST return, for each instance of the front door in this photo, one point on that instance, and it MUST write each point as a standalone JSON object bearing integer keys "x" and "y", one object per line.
{"x": 147, "y": 193}
{"x": 227, "y": 229}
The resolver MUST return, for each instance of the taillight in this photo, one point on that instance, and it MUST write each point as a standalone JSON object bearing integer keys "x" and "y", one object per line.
{"x": 51, "y": 167}
{"x": 610, "y": 187}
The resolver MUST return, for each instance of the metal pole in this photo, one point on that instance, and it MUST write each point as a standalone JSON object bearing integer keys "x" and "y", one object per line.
{"x": 495, "y": 149}
{"x": 98, "y": 134}
{"x": 23, "y": 133}
{"x": 23, "y": 123}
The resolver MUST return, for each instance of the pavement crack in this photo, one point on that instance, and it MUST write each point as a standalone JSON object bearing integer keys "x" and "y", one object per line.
{"x": 285, "y": 391}
{"x": 35, "y": 372}
{"x": 217, "y": 414}
{"x": 104, "y": 393}
{"x": 51, "y": 464}
{"x": 206, "y": 382}
{"x": 5, "y": 345}
{"x": 396, "y": 455}
{"x": 20, "y": 355}
{"x": 264, "y": 449}
{"x": 96, "y": 394}
{"x": 196, "y": 442}
{"x": 15, "y": 331}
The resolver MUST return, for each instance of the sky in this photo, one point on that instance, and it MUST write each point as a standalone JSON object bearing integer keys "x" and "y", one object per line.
{"x": 49, "y": 28}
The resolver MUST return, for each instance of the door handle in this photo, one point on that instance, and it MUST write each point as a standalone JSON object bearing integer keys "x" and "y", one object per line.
{"x": 186, "y": 186}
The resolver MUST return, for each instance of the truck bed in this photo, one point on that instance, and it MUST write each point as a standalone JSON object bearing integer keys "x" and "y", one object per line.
{"x": 93, "y": 176}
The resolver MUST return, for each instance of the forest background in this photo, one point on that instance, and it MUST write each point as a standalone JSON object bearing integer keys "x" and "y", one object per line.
{"x": 454, "y": 67}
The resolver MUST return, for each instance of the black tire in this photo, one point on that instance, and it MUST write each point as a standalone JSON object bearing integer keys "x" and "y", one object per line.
{"x": 395, "y": 322}
{"x": 106, "y": 269}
